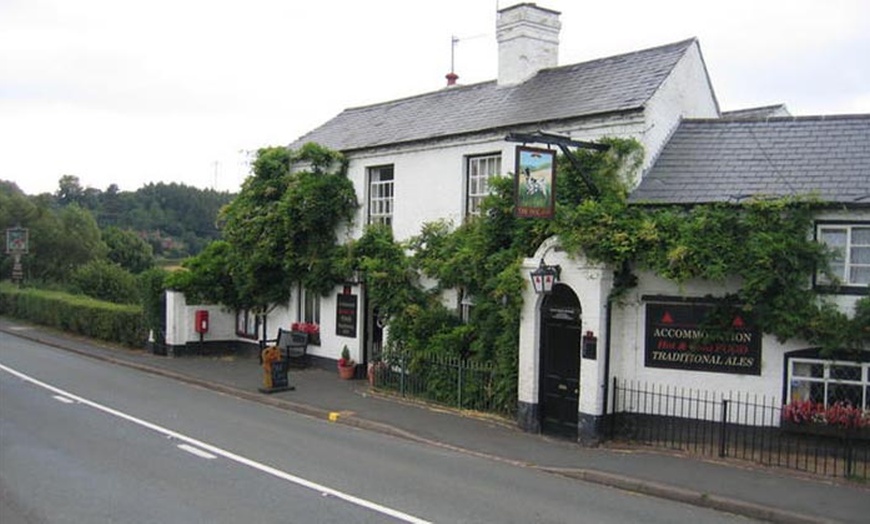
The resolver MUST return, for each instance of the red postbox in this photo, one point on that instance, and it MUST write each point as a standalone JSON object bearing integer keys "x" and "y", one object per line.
{"x": 201, "y": 317}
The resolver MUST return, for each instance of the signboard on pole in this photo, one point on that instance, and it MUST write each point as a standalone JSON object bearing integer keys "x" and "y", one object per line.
{"x": 17, "y": 240}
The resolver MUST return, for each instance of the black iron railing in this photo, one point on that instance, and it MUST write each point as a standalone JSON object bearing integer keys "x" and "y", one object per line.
{"x": 451, "y": 381}
{"x": 734, "y": 425}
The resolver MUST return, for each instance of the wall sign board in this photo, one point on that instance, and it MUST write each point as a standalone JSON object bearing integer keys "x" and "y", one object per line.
{"x": 345, "y": 315}
{"x": 678, "y": 336}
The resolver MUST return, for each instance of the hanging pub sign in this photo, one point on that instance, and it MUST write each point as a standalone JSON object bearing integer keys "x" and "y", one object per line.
{"x": 535, "y": 182}
{"x": 682, "y": 336}
{"x": 345, "y": 315}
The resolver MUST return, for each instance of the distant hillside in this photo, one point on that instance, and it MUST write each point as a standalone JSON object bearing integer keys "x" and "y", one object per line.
{"x": 176, "y": 219}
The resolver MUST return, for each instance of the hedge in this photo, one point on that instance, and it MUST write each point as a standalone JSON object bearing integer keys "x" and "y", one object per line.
{"x": 119, "y": 323}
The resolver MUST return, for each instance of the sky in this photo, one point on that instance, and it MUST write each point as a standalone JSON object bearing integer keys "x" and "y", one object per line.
{"x": 136, "y": 92}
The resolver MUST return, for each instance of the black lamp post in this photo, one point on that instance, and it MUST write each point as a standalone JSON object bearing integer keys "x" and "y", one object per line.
{"x": 544, "y": 277}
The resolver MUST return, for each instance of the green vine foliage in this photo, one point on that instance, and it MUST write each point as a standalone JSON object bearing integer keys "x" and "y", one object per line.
{"x": 281, "y": 229}
{"x": 765, "y": 244}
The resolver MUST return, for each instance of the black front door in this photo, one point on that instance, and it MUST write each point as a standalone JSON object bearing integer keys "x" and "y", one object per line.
{"x": 560, "y": 362}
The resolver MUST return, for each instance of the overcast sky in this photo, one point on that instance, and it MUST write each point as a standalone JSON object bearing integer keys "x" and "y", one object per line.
{"x": 132, "y": 92}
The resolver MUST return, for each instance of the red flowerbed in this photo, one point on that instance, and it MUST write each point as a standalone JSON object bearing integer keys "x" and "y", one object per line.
{"x": 839, "y": 414}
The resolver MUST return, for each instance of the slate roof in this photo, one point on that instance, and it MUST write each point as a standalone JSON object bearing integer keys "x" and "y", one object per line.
{"x": 709, "y": 160}
{"x": 618, "y": 83}
{"x": 757, "y": 112}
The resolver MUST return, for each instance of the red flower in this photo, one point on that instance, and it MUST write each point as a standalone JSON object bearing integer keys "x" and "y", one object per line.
{"x": 840, "y": 414}
{"x": 306, "y": 327}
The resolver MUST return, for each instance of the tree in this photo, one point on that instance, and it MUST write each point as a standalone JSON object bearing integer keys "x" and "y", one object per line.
{"x": 62, "y": 242}
{"x": 69, "y": 190}
{"x": 128, "y": 250}
{"x": 283, "y": 226}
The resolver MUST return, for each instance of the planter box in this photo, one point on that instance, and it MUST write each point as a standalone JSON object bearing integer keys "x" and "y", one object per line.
{"x": 824, "y": 430}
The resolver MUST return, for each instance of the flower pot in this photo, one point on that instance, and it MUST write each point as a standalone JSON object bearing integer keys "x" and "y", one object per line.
{"x": 346, "y": 372}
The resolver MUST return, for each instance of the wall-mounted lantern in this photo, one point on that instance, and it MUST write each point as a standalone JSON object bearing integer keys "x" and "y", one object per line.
{"x": 544, "y": 277}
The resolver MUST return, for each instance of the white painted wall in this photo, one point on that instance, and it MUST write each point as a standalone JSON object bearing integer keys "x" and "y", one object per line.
{"x": 180, "y": 321}
{"x": 592, "y": 283}
{"x": 685, "y": 93}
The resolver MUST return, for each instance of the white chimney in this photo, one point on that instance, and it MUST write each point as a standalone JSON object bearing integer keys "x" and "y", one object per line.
{"x": 528, "y": 41}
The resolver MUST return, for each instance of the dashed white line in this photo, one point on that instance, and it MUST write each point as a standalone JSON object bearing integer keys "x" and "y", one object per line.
{"x": 208, "y": 448}
{"x": 63, "y": 399}
{"x": 196, "y": 451}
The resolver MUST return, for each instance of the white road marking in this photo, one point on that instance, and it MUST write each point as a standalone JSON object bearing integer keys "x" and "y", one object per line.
{"x": 63, "y": 399}
{"x": 196, "y": 451}
{"x": 324, "y": 490}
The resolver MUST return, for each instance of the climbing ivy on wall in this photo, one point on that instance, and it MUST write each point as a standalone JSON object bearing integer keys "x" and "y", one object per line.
{"x": 282, "y": 229}
{"x": 764, "y": 244}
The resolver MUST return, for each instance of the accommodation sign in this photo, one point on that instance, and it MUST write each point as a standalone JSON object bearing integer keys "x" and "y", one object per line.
{"x": 677, "y": 337}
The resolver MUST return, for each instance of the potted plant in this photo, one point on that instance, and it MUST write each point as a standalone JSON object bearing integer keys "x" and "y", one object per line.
{"x": 346, "y": 365}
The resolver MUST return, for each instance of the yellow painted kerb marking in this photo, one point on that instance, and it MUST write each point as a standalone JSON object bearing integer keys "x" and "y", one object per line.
{"x": 333, "y": 416}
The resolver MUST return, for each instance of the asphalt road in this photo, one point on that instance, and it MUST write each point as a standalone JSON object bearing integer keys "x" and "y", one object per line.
{"x": 86, "y": 441}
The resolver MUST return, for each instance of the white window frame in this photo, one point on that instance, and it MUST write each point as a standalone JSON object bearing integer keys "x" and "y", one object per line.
{"x": 845, "y": 265}
{"x": 465, "y": 305}
{"x": 381, "y": 189}
{"x": 309, "y": 310}
{"x": 800, "y": 382}
{"x": 479, "y": 169}
{"x": 247, "y": 324}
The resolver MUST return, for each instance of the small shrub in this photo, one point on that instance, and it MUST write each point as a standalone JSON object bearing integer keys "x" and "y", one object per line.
{"x": 106, "y": 281}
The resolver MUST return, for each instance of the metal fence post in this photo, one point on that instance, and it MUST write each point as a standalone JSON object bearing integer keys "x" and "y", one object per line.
{"x": 403, "y": 359}
{"x": 850, "y": 464}
{"x": 459, "y": 384}
{"x": 723, "y": 431}
{"x": 612, "y": 425}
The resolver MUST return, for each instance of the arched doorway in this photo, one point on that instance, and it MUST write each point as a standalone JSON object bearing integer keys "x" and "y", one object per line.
{"x": 560, "y": 362}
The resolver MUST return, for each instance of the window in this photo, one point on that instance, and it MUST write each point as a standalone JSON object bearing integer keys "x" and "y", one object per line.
{"x": 827, "y": 382}
{"x": 247, "y": 324}
{"x": 466, "y": 303}
{"x": 381, "y": 195}
{"x": 850, "y": 264}
{"x": 479, "y": 170}
{"x": 310, "y": 322}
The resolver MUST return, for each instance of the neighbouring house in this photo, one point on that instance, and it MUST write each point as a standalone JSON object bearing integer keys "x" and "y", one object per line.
{"x": 429, "y": 157}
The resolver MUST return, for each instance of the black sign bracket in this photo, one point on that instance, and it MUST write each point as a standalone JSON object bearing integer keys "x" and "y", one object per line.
{"x": 564, "y": 142}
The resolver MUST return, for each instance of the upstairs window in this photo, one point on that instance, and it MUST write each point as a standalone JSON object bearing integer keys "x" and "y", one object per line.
{"x": 479, "y": 169}
{"x": 850, "y": 264}
{"x": 381, "y": 195}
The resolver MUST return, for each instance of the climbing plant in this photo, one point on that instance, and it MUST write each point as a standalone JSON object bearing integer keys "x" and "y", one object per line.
{"x": 282, "y": 229}
{"x": 763, "y": 245}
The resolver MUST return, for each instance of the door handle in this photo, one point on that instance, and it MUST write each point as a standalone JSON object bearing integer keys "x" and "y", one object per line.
{"x": 563, "y": 387}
